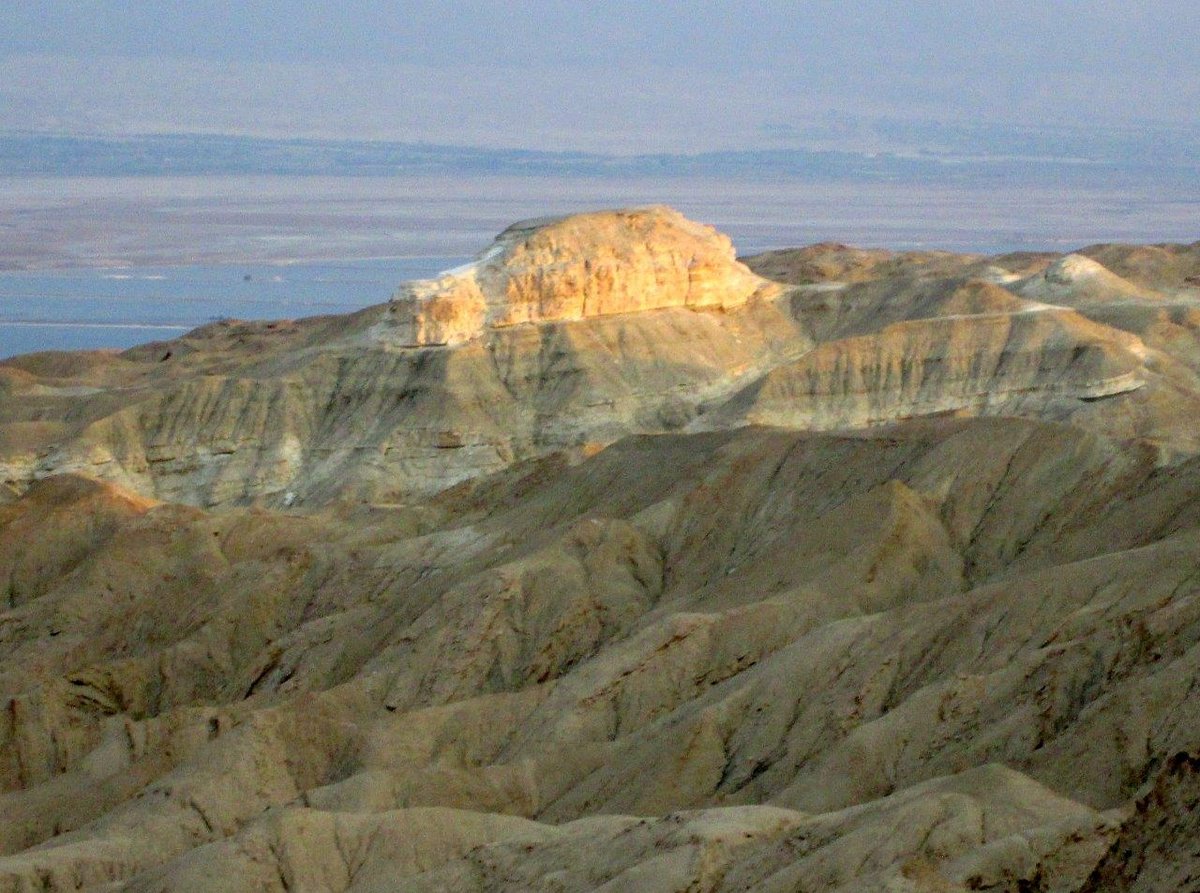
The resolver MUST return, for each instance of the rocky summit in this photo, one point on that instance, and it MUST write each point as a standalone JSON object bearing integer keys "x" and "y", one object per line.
{"x": 578, "y": 267}
{"x": 610, "y": 561}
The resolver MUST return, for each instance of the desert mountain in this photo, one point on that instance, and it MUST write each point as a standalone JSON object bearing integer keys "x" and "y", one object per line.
{"x": 610, "y": 561}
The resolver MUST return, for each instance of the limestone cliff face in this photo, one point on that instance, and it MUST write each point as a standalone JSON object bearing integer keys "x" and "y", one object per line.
{"x": 988, "y": 362}
{"x": 580, "y": 267}
{"x": 562, "y": 335}
{"x": 569, "y": 334}
{"x": 545, "y": 576}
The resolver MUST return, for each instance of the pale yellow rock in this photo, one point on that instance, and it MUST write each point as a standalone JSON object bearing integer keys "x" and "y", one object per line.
{"x": 578, "y": 267}
{"x": 550, "y": 607}
{"x": 569, "y": 334}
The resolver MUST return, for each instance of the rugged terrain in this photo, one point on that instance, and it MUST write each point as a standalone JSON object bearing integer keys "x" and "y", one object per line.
{"x": 611, "y": 562}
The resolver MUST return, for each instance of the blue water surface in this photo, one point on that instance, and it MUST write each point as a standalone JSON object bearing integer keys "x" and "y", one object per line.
{"x": 88, "y": 309}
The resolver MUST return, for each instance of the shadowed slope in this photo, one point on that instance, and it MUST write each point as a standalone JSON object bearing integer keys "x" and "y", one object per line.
{"x": 547, "y": 607}
{"x": 680, "y": 622}
{"x": 571, "y": 333}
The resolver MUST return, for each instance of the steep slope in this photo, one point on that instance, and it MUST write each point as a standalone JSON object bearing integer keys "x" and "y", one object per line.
{"x": 1155, "y": 849}
{"x": 1159, "y": 267}
{"x": 840, "y": 626}
{"x": 579, "y": 267}
{"x": 986, "y": 362}
{"x": 571, "y": 333}
{"x": 591, "y": 328}
{"x": 527, "y": 597}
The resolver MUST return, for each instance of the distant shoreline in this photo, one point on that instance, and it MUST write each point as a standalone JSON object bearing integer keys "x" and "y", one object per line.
{"x": 1012, "y": 155}
{"x": 67, "y": 265}
{"x": 122, "y": 223}
{"x": 37, "y": 324}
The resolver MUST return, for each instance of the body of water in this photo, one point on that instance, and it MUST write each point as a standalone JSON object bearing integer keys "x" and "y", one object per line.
{"x": 112, "y": 262}
{"x": 88, "y": 309}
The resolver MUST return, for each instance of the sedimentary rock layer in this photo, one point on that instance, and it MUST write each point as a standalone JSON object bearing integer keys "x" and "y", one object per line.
{"x": 586, "y": 329}
{"x": 579, "y": 267}
{"x": 940, "y": 656}
{"x": 605, "y": 564}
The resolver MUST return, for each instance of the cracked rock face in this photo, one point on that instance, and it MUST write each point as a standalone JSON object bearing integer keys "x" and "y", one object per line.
{"x": 605, "y": 564}
{"x": 569, "y": 334}
{"x": 579, "y": 267}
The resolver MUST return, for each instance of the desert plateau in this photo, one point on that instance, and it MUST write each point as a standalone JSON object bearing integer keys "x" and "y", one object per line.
{"x": 611, "y": 561}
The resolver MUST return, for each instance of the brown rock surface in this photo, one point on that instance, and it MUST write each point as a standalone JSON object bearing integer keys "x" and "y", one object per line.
{"x": 1156, "y": 849}
{"x": 1161, "y": 267}
{"x": 300, "y": 606}
{"x": 980, "y": 362}
{"x": 575, "y": 332}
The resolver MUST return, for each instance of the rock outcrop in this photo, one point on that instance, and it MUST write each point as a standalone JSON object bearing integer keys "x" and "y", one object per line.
{"x": 1076, "y": 280}
{"x": 605, "y": 564}
{"x": 1155, "y": 849}
{"x": 579, "y": 267}
{"x": 940, "y": 657}
{"x": 568, "y": 334}
{"x": 972, "y": 363}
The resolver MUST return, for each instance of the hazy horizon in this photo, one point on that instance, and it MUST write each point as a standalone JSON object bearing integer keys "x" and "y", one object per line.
{"x": 622, "y": 77}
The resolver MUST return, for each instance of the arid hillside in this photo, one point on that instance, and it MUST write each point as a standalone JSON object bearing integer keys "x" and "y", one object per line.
{"x": 613, "y": 562}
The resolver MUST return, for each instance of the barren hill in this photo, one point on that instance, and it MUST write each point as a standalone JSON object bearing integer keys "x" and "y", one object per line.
{"x": 611, "y": 562}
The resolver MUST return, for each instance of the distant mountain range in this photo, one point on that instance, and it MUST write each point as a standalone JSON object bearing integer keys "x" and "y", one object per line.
{"x": 954, "y": 154}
